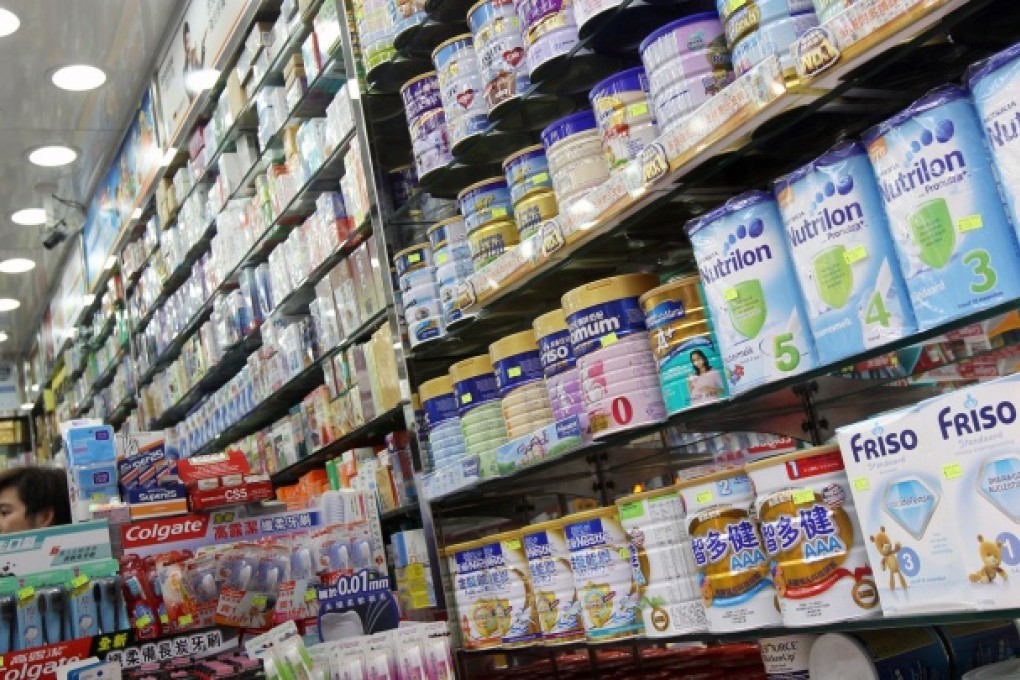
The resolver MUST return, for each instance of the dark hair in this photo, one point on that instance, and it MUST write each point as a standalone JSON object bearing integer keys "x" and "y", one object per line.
{"x": 40, "y": 489}
{"x": 186, "y": 31}
{"x": 697, "y": 371}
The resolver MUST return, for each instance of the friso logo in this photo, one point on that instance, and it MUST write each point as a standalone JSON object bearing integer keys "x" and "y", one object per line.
{"x": 734, "y": 258}
{"x": 975, "y": 418}
{"x": 826, "y": 213}
{"x": 882, "y": 443}
{"x": 925, "y": 170}
{"x": 186, "y": 528}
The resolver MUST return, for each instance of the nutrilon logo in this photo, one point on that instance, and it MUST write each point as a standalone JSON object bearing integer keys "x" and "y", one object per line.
{"x": 1003, "y": 133}
{"x": 975, "y": 418}
{"x": 826, "y": 213}
{"x": 882, "y": 443}
{"x": 734, "y": 257}
{"x": 925, "y": 170}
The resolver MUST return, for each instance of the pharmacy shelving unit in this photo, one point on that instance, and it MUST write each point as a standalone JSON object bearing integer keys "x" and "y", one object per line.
{"x": 762, "y": 126}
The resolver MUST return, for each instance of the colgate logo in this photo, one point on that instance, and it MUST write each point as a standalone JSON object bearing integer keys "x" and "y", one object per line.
{"x": 159, "y": 531}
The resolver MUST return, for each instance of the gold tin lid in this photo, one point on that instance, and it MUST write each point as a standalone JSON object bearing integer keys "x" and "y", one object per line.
{"x": 504, "y": 225}
{"x": 597, "y": 513}
{"x": 684, "y": 289}
{"x": 517, "y": 154}
{"x": 471, "y": 368}
{"x": 412, "y": 81}
{"x": 416, "y": 248}
{"x": 549, "y": 323}
{"x": 442, "y": 223}
{"x": 604, "y": 290}
{"x": 479, "y": 185}
{"x": 518, "y": 343}
{"x": 437, "y": 387}
{"x": 784, "y": 458}
{"x": 415, "y": 401}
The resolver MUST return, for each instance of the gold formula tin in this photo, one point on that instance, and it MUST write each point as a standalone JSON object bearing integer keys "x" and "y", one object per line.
{"x": 491, "y": 240}
{"x": 511, "y": 589}
{"x": 533, "y": 209}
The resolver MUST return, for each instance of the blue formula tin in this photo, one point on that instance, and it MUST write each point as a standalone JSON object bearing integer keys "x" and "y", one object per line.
{"x": 843, "y": 254}
{"x": 692, "y": 35}
{"x": 775, "y": 38}
{"x": 418, "y": 256}
{"x": 474, "y": 384}
{"x": 759, "y": 13}
{"x": 500, "y": 45}
{"x": 956, "y": 246}
{"x": 447, "y": 232}
{"x": 403, "y": 183}
{"x": 455, "y": 58}
{"x": 485, "y": 201}
{"x": 426, "y": 123}
{"x": 625, "y": 116}
{"x": 526, "y": 170}
{"x": 995, "y": 88}
{"x": 752, "y": 293}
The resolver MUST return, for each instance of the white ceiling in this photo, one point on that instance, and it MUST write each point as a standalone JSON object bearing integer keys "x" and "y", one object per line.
{"x": 119, "y": 36}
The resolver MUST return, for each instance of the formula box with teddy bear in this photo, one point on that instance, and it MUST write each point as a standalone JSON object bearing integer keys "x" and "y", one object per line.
{"x": 937, "y": 487}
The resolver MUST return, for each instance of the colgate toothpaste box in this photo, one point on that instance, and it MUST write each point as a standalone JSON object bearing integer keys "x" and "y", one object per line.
{"x": 222, "y": 479}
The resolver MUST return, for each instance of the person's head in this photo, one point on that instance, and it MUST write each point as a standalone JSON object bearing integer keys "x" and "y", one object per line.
{"x": 33, "y": 498}
{"x": 186, "y": 34}
{"x": 699, "y": 361}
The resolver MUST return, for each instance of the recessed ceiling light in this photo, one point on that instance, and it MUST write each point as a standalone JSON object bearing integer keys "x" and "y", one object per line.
{"x": 9, "y": 304}
{"x": 9, "y": 22}
{"x": 29, "y": 217}
{"x": 17, "y": 265}
{"x": 78, "y": 77}
{"x": 52, "y": 156}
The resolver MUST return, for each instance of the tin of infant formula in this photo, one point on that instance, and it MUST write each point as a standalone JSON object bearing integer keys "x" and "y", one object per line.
{"x": 426, "y": 123}
{"x": 511, "y": 588}
{"x": 533, "y": 209}
{"x": 500, "y": 41}
{"x": 573, "y": 147}
{"x": 810, "y": 530}
{"x": 418, "y": 256}
{"x": 726, "y": 542}
{"x": 424, "y": 321}
{"x": 438, "y": 401}
{"x": 554, "y": 342}
{"x": 603, "y": 312}
{"x": 447, "y": 232}
{"x": 477, "y": 611}
{"x": 774, "y": 38}
{"x": 681, "y": 337}
{"x": 527, "y": 170}
{"x": 455, "y": 59}
{"x": 473, "y": 383}
{"x": 654, "y": 522}
{"x": 492, "y": 240}
{"x": 485, "y": 201}
{"x": 625, "y": 117}
{"x": 758, "y": 13}
{"x": 552, "y": 584}
{"x": 602, "y": 565}
{"x": 698, "y": 35}
{"x": 515, "y": 362}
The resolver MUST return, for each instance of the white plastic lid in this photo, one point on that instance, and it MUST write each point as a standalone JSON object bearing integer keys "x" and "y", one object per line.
{"x": 997, "y": 671}
{"x": 836, "y": 656}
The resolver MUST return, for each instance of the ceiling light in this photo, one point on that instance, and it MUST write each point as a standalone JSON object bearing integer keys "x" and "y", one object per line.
{"x": 78, "y": 77}
{"x": 52, "y": 156}
{"x": 29, "y": 217}
{"x": 9, "y": 304}
{"x": 35, "y": 387}
{"x": 3, "y": 336}
{"x": 9, "y": 22}
{"x": 89, "y": 298}
{"x": 168, "y": 157}
{"x": 199, "y": 81}
{"x": 136, "y": 214}
{"x": 27, "y": 407}
{"x": 17, "y": 265}
{"x": 110, "y": 263}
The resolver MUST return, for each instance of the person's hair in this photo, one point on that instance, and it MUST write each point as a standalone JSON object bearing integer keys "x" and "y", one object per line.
{"x": 186, "y": 31}
{"x": 703, "y": 358}
{"x": 40, "y": 489}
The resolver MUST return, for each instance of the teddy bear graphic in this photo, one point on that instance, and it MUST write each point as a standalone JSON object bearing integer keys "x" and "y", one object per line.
{"x": 889, "y": 551}
{"x": 991, "y": 559}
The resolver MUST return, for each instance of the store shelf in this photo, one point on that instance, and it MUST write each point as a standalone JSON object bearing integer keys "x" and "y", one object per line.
{"x": 120, "y": 412}
{"x": 370, "y": 431}
{"x": 400, "y": 513}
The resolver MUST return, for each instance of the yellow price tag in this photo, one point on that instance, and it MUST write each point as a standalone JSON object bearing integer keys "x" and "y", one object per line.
{"x": 414, "y": 257}
{"x": 855, "y": 254}
{"x": 416, "y": 571}
{"x": 164, "y": 619}
{"x": 310, "y": 595}
{"x": 970, "y": 223}
{"x": 420, "y": 600}
{"x": 499, "y": 212}
{"x": 465, "y": 398}
{"x": 637, "y": 109}
{"x": 144, "y": 621}
{"x": 736, "y": 4}
{"x": 1, "y": 662}
{"x": 732, "y": 294}
{"x": 608, "y": 340}
{"x": 704, "y": 497}
{"x": 540, "y": 178}
{"x": 514, "y": 372}
{"x": 802, "y": 496}
{"x": 513, "y": 544}
{"x": 79, "y": 582}
{"x": 26, "y": 593}
{"x": 259, "y": 601}
{"x": 441, "y": 258}
{"x": 185, "y": 620}
{"x": 952, "y": 470}
{"x": 861, "y": 484}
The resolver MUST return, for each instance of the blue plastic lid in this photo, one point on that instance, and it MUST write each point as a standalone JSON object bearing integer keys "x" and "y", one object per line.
{"x": 631, "y": 80}
{"x": 744, "y": 200}
{"x": 986, "y": 67}
{"x": 673, "y": 25}
{"x": 582, "y": 121}
{"x": 934, "y": 99}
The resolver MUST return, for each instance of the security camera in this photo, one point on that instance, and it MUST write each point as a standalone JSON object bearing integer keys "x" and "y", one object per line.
{"x": 64, "y": 218}
{"x": 54, "y": 237}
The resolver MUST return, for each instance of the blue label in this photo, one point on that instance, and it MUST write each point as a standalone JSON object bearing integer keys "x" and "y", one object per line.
{"x": 440, "y": 409}
{"x": 517, "y": 370}
{"x": 474, "y": 392}
{"x": 536, "y": 546}
{"x": 556, "y": 353}
{"x": 469, "y": 560}
{"x": 586, "y": 534}
{"x": 600, "y": 325}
